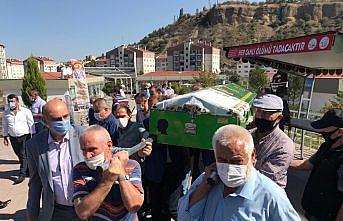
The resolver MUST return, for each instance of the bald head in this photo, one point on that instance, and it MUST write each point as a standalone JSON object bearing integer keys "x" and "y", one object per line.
{"x": 55, "y": 110}
{"x": 94, "y": 141}
{"x": 55, "y": 105}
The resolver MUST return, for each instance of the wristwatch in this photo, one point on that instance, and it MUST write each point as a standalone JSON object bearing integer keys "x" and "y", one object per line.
{"x": 122, "y": 178}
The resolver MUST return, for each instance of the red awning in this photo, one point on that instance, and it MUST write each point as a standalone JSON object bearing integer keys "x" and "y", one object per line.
{"x": 317, "y": 54}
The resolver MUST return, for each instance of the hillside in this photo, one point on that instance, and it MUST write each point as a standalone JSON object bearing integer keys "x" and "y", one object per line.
{"x": 229, "y": 23}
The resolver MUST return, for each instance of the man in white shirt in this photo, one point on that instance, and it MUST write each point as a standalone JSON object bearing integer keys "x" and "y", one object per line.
{"x": 170, "y": 90}
{"x": 37, "y": 111}
{"x": 16, "y": 125}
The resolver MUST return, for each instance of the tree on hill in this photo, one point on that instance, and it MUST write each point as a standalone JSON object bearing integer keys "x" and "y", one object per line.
{"x": 33, "y": 79}
{"x": 258, "y": 79}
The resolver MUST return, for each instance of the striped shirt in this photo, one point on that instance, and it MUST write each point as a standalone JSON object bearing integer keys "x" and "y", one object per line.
{"x": 112, "y": 208}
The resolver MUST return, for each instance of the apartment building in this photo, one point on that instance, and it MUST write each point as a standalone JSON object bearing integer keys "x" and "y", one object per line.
{"x": 161, "y": 62}
{"x": 3, "y": 70}
{"x": 142, "y": 61}
{"x": 45, "y": 64}
{"x": 15, "y": 69}
{"x": 243, "y": 69}
{"x": 191, "y": 56}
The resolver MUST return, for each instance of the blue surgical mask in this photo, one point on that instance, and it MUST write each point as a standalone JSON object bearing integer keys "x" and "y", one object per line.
{"x": 12, "y": 105}
{"x": 60, "y": 127}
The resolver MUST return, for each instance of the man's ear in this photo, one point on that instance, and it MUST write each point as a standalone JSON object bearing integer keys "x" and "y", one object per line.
{"x": 253, "y": 157}
{"x": 109, "y": 144}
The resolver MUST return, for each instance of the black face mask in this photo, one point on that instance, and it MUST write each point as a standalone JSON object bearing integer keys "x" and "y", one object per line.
{"x": 264, "y": 125}
{"x": 327, "y": 135}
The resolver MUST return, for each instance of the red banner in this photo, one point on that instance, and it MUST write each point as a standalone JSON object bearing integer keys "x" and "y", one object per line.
{"x": 312, "y": 43}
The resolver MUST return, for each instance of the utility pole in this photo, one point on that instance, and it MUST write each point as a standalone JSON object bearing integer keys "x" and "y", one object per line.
{"x": 209, "y": 4}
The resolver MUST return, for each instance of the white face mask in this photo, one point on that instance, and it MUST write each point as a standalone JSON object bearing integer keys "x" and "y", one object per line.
{"x": 96, "y": 161}
{"x": 98, "y": 117}
{"x": 123, "y": 121}
{"x": 232, "y": 175}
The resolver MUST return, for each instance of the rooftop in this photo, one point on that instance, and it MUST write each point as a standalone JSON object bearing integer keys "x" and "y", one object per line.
{"x": 58, "y": 75}
{"x": 171, "y": 73}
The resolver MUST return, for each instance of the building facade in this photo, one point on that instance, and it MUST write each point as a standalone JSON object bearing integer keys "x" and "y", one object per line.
{"x": 15, "y": 69}
{"x": 140, "y": 60}
{"x": 190, "y": 56}
{"x": 3, "y": 69}
{"x": 243, "y": 69}
{"x": 45, "y": 64}
{"x": 161, "y": 62}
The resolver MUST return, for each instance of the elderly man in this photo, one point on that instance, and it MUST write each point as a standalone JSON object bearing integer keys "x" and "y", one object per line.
{"x": 241, "y": 193}
{"x": 16, "y": 124}
{"x": 115, "y": 193}
{"x": 37, "y": 110}
{"x": 105, "y": 118}
{"x": 323, "y": 194}
{"x": 52, "y": 154}
{"x": 274, "y": 149}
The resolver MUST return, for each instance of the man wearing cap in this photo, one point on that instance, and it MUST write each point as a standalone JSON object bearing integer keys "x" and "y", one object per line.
{"x": 274, "y": 149}
{"x": 323, "y": 194}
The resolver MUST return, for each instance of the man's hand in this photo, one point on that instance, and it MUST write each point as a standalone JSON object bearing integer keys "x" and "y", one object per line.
{"x": 146, "y": 151}
{"x": 117, "y": 166}
{"x": 5, "y": 141}
{"x": 208, "y": 172}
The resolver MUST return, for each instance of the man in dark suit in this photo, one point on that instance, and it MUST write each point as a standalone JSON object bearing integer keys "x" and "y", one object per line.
{"x": 52, "y": 154}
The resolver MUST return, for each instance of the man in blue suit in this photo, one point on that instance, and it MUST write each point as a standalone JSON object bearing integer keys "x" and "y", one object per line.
{"x": 52, "y": 154}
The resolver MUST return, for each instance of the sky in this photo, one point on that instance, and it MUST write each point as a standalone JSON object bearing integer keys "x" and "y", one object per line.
{"x": 66, "y": 29}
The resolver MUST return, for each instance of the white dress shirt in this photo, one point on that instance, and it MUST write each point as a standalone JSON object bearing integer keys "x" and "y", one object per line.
{"x": 17, "y": 125}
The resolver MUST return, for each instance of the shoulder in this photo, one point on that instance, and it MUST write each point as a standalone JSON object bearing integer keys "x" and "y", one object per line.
{"x": 36, "y": 141}
{"x": 285, "y": 141}
{"x": 270, "y": 189}
{"x": 78, "y": 129}
{"x": 7, "y": 111}
{"x": 82, "y": 166}
{"x": 132, "y": 166}
{"x": 25, "y": 110}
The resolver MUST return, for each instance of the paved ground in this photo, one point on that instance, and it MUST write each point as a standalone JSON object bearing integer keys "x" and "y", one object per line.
{"x": 9, "y": 169}
{"x": 18, "y": 193}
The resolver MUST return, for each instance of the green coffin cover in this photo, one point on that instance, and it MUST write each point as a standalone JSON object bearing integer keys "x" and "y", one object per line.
{"x": 190, "y": 120}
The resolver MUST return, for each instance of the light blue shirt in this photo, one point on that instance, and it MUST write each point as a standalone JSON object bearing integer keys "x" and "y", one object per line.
{"x": 258, "y": 199}
{"x": 61, "y": 170}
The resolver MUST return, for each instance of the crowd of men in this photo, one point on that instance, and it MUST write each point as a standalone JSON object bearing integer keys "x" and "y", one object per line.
{"x": 79, "y": 173}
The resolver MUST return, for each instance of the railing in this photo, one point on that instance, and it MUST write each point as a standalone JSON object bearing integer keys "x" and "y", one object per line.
{"x": 311, "y": 140}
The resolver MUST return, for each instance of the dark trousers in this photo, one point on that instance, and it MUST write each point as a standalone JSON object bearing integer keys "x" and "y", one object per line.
{"x": 64, "y": 213}
{"x": 164, "y": 196}
{"x": 18, "y": 145}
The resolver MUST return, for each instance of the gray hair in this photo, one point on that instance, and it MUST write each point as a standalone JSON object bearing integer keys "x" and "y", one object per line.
{"x": 96, "y": 128}
{"x": 106, "y": 102}
{"x": 223, "y": 136}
